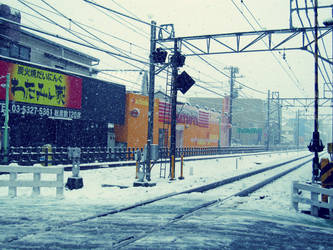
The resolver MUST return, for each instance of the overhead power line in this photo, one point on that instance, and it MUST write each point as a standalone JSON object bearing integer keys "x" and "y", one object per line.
{"x": 93, "y": 35}
{"x": 124, "y": 54}
{"x": 144, "y": 22}
{"x": 261, "y": 27}
{"x": 82, "y": 24}
{"x": 71, "y": 41}
{"x": 307, "y": 37}
{"x": 323, "y": 43}
{"x": 71, "y": 32}
{"x": 118, "y": 13}
{"x": 297, "y": 83}
{"x": 95, "y": 38}
{"x": 95, "y": 47}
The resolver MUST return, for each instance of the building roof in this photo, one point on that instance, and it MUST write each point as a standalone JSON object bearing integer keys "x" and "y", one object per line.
{"x": 207, "y": 102}
{"x": 59, "y": 45}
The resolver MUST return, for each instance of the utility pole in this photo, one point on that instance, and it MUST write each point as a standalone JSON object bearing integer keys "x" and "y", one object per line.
{"x": 316, "y": 144}
{"x": 279, "y": 121}
{"x": 290, "y": 14}
{"x": 332, "y": 83}
{"x": 276, "y": 109}
{"x": 332, "y": 115}
{"x": 144, "y": 169}
{"x": 173, "y": 113}
{"x": 297, "y": 131}
{"x": 268, "y": 119}
{"x": 231, "y": 99}
{"x": 151, "y": 99}
{"x": 233, "y": 72}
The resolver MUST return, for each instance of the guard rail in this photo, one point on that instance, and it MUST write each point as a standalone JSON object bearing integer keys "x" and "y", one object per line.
{"x": 28, "y": 156}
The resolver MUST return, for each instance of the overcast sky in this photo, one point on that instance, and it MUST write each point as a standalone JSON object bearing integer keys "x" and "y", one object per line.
{"x": 292, "y": 76}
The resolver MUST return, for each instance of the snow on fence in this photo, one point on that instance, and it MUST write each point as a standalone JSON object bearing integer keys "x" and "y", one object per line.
{"x": 313, "y": 201}
{"x": 36, "y": 183}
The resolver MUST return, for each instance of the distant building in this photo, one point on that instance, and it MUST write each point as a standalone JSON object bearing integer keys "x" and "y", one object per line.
{"x": 249, "y": 121}
{"x": 249, "y": 118}
{"x": 297, "y": 131}
{"x": 208, "y": 103}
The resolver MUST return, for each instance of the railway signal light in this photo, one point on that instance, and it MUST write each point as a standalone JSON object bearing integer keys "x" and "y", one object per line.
{"x": 178, "y": 59}
{"x": 159, "y": 55}
{"x": 316, "y": 145}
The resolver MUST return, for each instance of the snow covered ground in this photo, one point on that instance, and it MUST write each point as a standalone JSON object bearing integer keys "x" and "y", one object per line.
{"x": 98, "y": 195}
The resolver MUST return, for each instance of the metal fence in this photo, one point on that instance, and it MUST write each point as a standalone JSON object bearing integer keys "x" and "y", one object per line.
{"x": 27, "y": 156}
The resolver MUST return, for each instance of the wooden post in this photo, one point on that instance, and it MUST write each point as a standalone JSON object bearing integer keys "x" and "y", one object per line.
{"x": 294, "y": 192}
{"x": 314, "y": 209}
{"x": 12, "y": 190}
{"x": 36, "y": 188}
{"x": 60, "y": 188}
{"x": 331, "y": 206}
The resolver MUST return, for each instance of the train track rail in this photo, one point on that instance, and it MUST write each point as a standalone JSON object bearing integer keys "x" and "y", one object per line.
{"x": 183, "y": 203}
{"x": 230, "y": 188}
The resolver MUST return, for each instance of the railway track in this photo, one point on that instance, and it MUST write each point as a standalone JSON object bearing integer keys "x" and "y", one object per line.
{"x": 219, "y": 192}
{"x": 132, "y": 224}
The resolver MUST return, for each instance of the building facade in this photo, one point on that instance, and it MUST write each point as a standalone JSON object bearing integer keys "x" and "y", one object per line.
{"x": 48, "y": 106}
{"x": 195, "y": 127}
{"x": 249, "y": 118}
{"x": 53, "y": 95}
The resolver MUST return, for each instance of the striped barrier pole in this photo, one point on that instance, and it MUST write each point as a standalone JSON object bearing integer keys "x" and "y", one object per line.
{"x": 172, "y": 173}
{"x": 181, "y": 177}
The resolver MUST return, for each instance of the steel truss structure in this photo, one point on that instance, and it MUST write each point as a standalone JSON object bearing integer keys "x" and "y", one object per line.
{"x": 251, "y": 41}
{"x": 304, "y": 102}
{"x": 295, "y": 7}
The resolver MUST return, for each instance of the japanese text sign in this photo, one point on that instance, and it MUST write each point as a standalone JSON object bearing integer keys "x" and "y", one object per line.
{"x": 38, "y": 86}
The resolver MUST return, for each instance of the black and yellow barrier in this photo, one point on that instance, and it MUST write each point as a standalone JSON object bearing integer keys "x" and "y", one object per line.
{"x": 47, "y": 155}
{"x": 181, "y": 177}
{"x": 172, "y": 170}
{"x": 326, "y": 175}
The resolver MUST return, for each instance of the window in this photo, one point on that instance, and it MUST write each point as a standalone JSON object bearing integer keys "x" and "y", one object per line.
{"x": 19, "y": 52}
{"x": 25, "y": 53}
{"x": 59, "y": 67}
{"x": 14, "y": 50}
